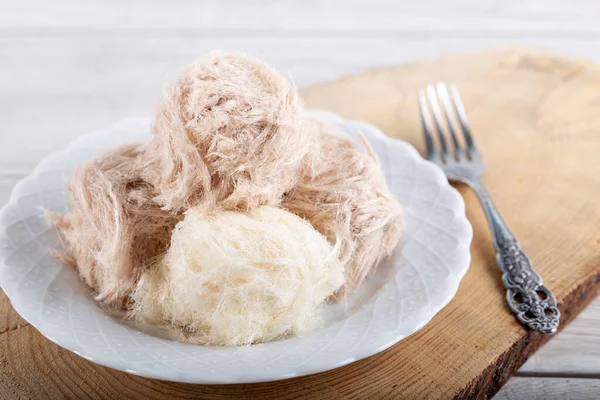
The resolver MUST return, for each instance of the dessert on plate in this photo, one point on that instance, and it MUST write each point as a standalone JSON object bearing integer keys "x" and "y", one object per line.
{"x": 237, "y": 219}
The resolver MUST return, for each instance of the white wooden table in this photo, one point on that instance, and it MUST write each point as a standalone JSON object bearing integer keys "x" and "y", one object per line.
{"x": 69, "y": 66}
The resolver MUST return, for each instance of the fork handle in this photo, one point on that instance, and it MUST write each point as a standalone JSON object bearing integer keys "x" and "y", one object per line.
{"x": 532, "y": 302}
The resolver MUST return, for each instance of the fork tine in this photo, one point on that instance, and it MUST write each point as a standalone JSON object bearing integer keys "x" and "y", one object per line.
{"x": 462, "y": 119}
{"x": 437, "y": 117}
{"x": 442, "y": 90}
{"x": 432, "y": 153}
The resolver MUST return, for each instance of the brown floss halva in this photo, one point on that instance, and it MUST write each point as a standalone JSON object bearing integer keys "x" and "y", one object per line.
{"x": 228, "y": 134}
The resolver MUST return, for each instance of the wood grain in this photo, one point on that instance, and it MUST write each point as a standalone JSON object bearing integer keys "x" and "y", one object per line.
{"x": 535, "y": 116}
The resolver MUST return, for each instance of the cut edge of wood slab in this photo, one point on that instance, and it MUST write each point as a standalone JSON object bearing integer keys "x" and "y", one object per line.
{"x": 496, "y": 375}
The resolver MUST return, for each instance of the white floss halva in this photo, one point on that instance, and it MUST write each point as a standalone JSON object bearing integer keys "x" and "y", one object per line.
{"x": 232, "y": 278}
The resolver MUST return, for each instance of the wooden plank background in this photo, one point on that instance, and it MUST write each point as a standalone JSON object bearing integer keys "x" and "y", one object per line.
{"x": 68, "y": 67}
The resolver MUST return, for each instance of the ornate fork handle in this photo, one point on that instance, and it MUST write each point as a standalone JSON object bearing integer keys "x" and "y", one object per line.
{"x": 526, "y": 295}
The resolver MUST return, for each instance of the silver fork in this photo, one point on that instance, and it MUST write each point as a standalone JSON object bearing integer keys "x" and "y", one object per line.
{"x": 532, "y": 302}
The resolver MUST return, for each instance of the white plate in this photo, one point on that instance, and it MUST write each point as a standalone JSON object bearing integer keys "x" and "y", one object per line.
{"x": 400, "y": 298}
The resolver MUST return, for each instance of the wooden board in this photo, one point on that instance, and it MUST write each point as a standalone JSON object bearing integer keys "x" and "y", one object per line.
{"x": 536, "y": 118}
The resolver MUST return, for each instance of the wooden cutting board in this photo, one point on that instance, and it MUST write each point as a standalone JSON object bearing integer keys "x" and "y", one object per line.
{"x": 536, "y": 118}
